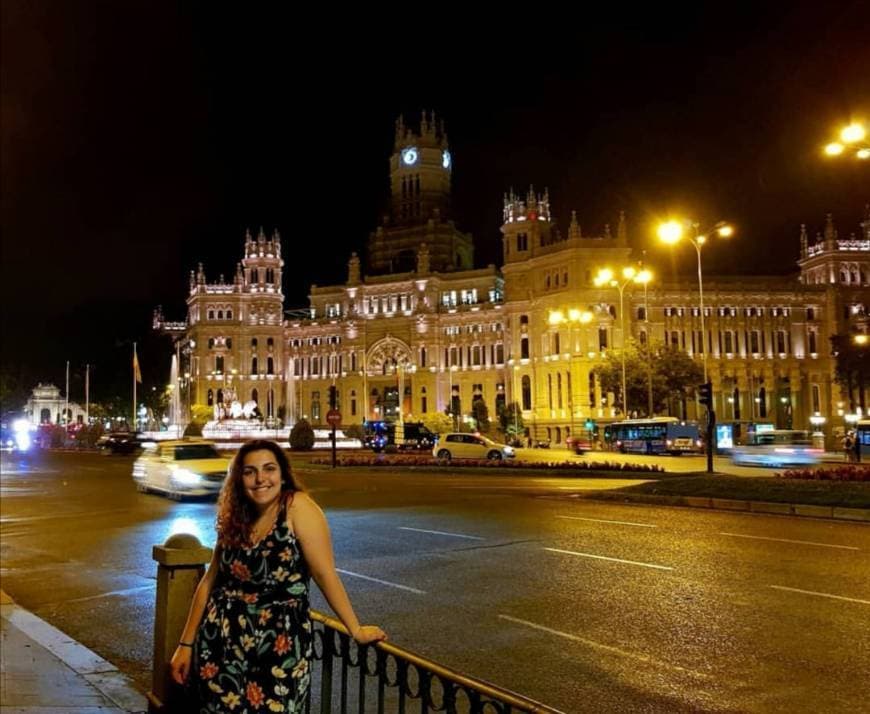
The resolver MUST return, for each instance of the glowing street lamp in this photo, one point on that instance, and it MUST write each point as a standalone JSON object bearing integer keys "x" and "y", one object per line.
{"x": 605, "y": 278}
{"x": 671, "y": 233}
{"x": 852, "y": 137}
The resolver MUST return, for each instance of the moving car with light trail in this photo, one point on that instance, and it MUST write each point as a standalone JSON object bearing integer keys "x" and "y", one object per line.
{"x": 181, "y": 468}
{"x": 776, "y": 448}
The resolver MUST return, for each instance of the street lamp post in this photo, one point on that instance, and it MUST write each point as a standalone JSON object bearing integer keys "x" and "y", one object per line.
{"x": 450, "y": 371}
{"x": 605, "y": 278}
{"x": 644, "y": 277}
{"x": 671, "y": 233}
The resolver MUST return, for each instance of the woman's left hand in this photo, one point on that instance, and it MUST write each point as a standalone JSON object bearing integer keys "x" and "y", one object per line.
{"x": 369, "y": 633}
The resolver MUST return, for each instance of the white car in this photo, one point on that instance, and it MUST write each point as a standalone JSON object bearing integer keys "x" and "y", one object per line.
{"x": 470, "y": 446}
{"x": 181, "y": 468}
{"x": 778, "y": 448}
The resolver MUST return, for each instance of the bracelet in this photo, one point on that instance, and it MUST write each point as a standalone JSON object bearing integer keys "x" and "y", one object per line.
{"x": 185, "y": 644}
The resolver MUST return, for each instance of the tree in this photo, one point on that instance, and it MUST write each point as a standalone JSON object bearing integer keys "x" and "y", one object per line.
{"x": 851, "y": 362}
{"x": 510, "y": 419}
{"x": 355, "y": 431}
{"x": 480, "y": 414}
{"x": 302, "y": 436}
{"x": 437, "y": 422}
{"x": 674, "y": 376}
{"x": 199, "y": 416}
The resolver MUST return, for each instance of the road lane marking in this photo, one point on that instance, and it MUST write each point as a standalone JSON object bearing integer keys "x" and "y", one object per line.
{"x": 601, "y": 520}
{"x": 382, "y": 582}
{"x": 53, "y": 516}
{"x": 604, "y": 557}
{"x": 789, "y": 540}
{"x": 600, "y": 646}
{"x": 453, "y": 535}
{"x": 125, "y": 591}
{"x": 812, "y": 592}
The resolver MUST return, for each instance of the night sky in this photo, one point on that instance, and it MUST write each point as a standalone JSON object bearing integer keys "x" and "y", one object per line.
{"x": 139, "y": 138}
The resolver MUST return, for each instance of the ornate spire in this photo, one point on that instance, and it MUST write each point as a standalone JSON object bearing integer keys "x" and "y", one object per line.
{"x": 804, "y": 240}
{"x": 353, "y": 270}
{"x": 574, "y": 231}
{"x": 621, "y": 230}
{"x": 423, "y": 260}
{"x": 261, "y": 236}
{"x": 200, "y": 274}
{"x": 830, "y": 231}
{"x": 192, "y": 281}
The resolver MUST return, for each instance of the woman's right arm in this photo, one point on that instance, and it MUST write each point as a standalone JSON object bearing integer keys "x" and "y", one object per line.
{"x": 179, "y": 665}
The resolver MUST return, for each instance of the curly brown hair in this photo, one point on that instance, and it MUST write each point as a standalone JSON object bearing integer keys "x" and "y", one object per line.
{"x": 235, "y": 514}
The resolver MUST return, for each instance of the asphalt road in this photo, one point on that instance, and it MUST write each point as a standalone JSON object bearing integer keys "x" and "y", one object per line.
{"x": 585, "y": 606}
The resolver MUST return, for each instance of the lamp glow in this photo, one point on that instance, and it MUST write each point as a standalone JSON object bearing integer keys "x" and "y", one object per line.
{"x": 556, "y": 317}
{"x": 852, "y": 133}
{"x": 670, "y": 232}
{"x": 835, "y": 148}
{"x": 863, "y": 153}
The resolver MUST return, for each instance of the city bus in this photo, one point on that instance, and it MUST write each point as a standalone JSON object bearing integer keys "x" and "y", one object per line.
{"x": 659, "y": 435}
{"x": 862, "y": 434}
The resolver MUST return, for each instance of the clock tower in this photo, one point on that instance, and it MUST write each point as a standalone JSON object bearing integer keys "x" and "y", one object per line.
{"x": 420, "y": 173}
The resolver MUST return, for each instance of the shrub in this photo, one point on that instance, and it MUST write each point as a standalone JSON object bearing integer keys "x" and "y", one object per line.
{"x": 846, "y": 472}
{"x": 87, "y": 436}
{"x": 193, "y": 428}
{"x": 302, "y": 436}
{"x": 415, "y": 460}
{"x": 355, "y": 431}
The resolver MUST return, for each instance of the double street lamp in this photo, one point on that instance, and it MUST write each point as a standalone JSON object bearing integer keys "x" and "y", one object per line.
{"x": 852, "y": 137}
{"x": 606, "y": 278}
{"x": 672, "y": 233}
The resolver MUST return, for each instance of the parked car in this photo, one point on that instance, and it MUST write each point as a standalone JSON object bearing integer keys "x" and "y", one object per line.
{"x": 777, "y": 448}
{"x": 179, "y": 468}
{"x": 470, "y": 446}
{"x": 120, "y": 442}
{"x": 579, "y": 444}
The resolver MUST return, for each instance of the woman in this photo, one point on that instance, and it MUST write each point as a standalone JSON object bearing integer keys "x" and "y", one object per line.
{"x": 247, "y": 639}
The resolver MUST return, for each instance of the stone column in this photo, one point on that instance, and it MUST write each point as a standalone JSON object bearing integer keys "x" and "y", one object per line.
{"x": 181, "y": 564}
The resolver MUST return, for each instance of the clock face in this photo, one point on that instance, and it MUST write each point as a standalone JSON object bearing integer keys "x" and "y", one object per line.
{"x": 409, "y": 156}
{"x": 445, "y": 159}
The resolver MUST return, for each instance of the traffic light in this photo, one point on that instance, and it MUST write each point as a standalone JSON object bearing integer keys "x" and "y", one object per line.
{"x": 705, "y": 394}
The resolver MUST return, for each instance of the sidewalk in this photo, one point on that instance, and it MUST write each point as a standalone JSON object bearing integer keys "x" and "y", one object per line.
{"x": 44, "y": 670}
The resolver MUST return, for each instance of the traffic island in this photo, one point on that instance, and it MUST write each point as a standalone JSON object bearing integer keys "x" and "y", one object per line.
{"x": 846, "y": 500}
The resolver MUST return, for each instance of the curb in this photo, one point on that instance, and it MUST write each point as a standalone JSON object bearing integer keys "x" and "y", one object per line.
{"x": 86, "y": 663}
{"x": 837, "y": 513}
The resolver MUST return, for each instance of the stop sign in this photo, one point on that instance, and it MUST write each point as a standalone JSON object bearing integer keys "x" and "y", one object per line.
{"x": 333, "y": 417}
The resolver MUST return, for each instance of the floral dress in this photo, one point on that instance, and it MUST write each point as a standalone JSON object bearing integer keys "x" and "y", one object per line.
{"x": 253, "y": 646}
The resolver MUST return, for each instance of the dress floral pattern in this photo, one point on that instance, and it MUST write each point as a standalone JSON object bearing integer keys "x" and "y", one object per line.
{"x": 253, "y": 647}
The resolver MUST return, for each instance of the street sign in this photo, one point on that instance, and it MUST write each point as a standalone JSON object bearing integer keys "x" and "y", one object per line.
{"x": 333, "y": 417}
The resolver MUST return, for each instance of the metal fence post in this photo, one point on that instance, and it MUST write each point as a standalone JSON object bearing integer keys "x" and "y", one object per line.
{"x": 181, "y": 563}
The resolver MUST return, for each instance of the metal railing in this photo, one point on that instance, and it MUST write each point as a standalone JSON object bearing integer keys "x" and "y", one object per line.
{"x": 382, "y": 677}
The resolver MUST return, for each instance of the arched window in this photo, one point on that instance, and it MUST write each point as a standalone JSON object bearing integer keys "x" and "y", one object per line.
{"x": 229, "y": 343}
{"x": 211, "y": 314}
{"x": 612, "y": 311}
{"x": 270, "y": 342}
{"x": 211, "y": 343}
{"x": 255, "y": 276}
{"x": 641, "y": 313}
{"x": 550, "y": 391}
{"x": 559, "y": 391}
{"x": 527, "y": 392}
{"x": 219, "y": 364}
{"x": 253, "y": 342}
{"x": 220, "y": 314}
{"x": 270, "y": 365}
{"x": 210, "y": 398}
{"x": 524, "y": 347}
{"x": 254, "y": 365}
{"x": 44, "y": 416}
{"x": 558, "y": 435}
{"x": 229, "y": 314}
{"x": 255, "y": 396}
{"x": 220, "y": 396}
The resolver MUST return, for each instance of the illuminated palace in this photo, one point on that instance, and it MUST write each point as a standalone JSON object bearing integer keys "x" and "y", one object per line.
{"x": 421, "y": 329}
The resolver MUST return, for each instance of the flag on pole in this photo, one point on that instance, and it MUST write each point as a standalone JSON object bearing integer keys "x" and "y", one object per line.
{"x": 137, "y": 374}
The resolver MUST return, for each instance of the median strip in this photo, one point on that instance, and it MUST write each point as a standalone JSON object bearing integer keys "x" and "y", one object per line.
{"x": 443, "y": 533}
{"x": 813, "y": 592}
{"x": 382, "y": 582}
{"x": 602, "y": 520}
{"x": 604, "y": 557}
{"x": 789, "y": 540}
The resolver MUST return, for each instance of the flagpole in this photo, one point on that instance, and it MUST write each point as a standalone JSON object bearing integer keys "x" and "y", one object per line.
{"x": 87, "y": 394}
{"x": 66, "y": 398}
{"x": 134, "y": 386}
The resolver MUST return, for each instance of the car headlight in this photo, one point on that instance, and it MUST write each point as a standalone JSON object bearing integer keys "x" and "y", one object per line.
{"x": 508, "y": 449}
{"x": 186, "y": 477}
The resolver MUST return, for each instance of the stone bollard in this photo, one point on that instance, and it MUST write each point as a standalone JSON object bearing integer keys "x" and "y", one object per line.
{"x": 181, "y": 562}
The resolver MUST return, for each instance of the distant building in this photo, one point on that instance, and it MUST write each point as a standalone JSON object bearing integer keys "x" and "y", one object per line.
{"x": 46, "y": 406}
{"x": 421, "y": 330}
